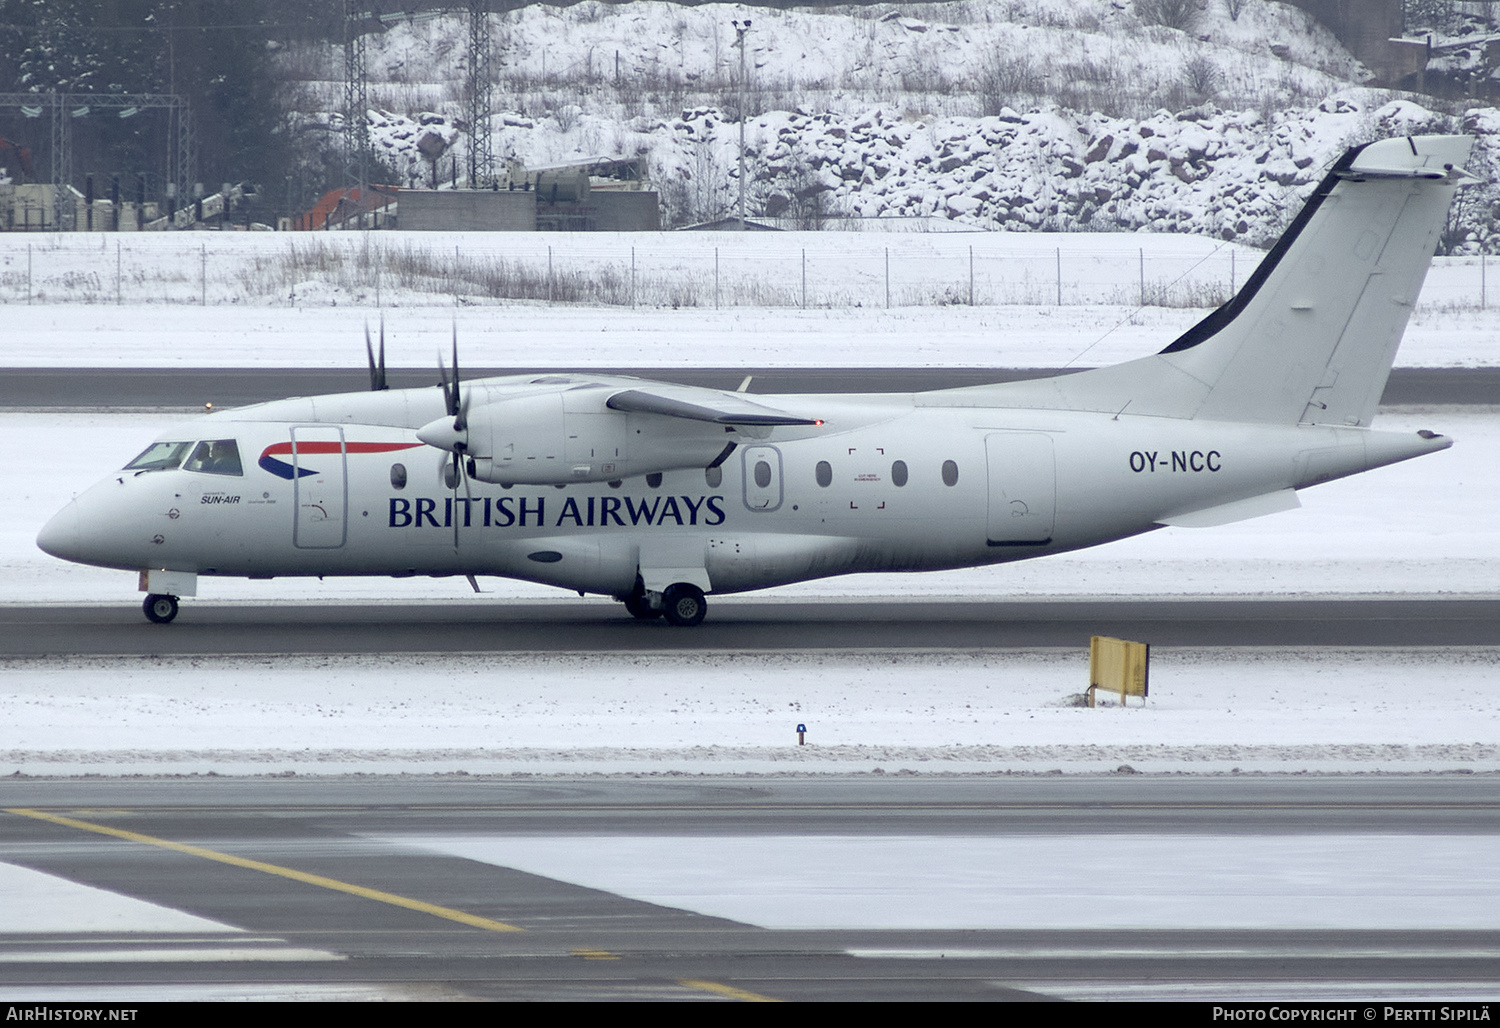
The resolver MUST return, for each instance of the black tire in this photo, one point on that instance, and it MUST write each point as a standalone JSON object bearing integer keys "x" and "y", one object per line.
{"x": 683, "y": 605}
{"x": 159, "y": 608}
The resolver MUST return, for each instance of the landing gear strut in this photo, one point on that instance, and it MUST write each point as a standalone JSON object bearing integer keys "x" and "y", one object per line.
{"x": 681, "y": 604}
{"x": 160, "y": 608}
{"x": 639, "y": 604}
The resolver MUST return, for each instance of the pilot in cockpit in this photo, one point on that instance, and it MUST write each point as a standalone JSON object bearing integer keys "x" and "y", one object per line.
{"x": 215, "y": 457}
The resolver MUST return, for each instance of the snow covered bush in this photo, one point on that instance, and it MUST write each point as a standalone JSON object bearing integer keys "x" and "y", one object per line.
{"x": 1173, "y": 14}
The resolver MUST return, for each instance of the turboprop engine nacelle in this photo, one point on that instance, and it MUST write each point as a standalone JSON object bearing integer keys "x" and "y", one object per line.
{"x": 571, "y": 436}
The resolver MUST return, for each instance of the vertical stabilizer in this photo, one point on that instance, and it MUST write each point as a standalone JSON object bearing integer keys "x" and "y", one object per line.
{"x": 1311, "y": 337}
{"x": 1312, "y": 340}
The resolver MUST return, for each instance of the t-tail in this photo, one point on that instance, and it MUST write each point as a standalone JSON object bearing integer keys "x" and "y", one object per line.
{"x": 1311, "y": 337}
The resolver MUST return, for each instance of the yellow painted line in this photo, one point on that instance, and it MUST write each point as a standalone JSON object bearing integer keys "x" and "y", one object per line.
{"x": 727, "y": 991}
{"x": 595, "y": 954}
{"x": 473, "y": 920}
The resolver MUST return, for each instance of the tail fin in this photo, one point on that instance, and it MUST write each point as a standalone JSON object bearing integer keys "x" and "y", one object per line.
{"x": 1311, "y": 337}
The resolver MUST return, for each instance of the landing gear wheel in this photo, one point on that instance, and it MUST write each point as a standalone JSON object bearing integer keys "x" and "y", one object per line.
{"x": 160, "y": 608}
{"x": 640, "y": 607}
{"x": 683, "y": 605}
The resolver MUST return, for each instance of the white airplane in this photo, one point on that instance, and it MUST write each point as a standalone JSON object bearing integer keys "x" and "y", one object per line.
{"x": 659, "y": 494}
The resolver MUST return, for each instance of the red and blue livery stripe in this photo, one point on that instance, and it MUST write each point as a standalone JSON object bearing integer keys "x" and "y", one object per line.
{"x": 299, "y": 450}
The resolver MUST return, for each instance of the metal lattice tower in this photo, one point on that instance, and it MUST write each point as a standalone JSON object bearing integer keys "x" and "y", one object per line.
{"x": 187, "y": 149}
{"x": 356, "y": 103}
{"x": 62, "y": 163}
{"x": 481, "y": 149}
{"x": 181, "y": 155}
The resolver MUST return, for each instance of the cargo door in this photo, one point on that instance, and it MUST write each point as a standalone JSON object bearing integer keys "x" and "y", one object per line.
{"x": 1023, "y": 488}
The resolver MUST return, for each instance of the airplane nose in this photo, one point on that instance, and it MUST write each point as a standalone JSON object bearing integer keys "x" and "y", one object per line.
{"x": 61, "y": 536}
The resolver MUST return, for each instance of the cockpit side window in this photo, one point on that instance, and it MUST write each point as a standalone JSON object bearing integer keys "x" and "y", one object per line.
{"x": 160, "y": 457}
{"x": 215, "y": 457}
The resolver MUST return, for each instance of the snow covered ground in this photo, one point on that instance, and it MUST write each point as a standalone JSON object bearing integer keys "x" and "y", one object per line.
{"x": 301, "y": 300}
{"x": 929, "y": 712}
{"x": 1424, "y": 527}
{"x": 847, "y": 273}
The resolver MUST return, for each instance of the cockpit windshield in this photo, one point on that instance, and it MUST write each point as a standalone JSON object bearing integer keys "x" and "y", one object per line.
{"x": 160, "y": 457}
{"x": 215, "y": 457}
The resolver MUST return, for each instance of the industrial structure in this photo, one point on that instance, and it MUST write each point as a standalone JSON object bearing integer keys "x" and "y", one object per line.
{"x": 57, "y": 204}
{"x": 602, "y": 194}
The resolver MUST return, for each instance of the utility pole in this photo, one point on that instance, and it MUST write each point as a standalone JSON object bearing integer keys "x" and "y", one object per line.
{"x": 740, "y": 28}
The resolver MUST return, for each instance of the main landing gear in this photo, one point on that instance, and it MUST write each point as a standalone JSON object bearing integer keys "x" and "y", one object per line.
{"x": 160, "y": 608}
{"x": 681, "y": 604}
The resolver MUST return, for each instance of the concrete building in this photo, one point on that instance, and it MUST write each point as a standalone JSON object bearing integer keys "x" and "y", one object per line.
{"x": 1371, "y": 30}
{"x": 600, "y": 211}
{"x": 527, "y": 210}
{"x": 466, "y": 210}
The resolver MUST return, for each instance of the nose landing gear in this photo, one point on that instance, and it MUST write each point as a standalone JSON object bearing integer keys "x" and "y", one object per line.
{"x": 160, "y": 608}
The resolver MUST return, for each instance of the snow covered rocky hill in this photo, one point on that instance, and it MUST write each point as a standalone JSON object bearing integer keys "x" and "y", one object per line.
{"x": 1021, "y": 115}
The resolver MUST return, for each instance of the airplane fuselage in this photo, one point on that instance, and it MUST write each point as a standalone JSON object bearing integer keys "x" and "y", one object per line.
{"x": 886, "y": 483}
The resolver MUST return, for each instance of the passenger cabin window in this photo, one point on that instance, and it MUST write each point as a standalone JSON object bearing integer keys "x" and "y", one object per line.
{"x": 898, "y": 473}
{"x": 714, "y": 477}
{"x": 160, "y": 457}
{"x": 398, "y": 476}
{"x": 824, "y": 473}
{"x": 762, "y": 474}
{"x": 950, "y": 472}
{"x": 215, "y": 457}
{"x": 654, "y": 480}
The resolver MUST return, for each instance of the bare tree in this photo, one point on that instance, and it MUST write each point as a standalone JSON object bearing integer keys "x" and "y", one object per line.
{"x": 1174, "y": 14}
{"x": 1202, "y": 75}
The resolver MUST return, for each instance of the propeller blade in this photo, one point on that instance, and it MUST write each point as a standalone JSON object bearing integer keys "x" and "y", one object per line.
{"x": 382, "y": 385}
{"x": 457, "y": 409}
{"x": 447, "y": 389}
{"x": 455, "y": 475}
{"x": 461, "y": 420}
{"x": 370, "y": 357}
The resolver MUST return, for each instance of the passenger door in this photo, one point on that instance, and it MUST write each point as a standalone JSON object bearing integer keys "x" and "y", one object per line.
{"x": 762, "y": 475}
{"x": 321, "y": 485}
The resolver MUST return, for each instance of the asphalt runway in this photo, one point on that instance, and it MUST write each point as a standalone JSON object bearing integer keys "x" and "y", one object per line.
{"x": 598, "y": 625}
{"x": 260, "y": 854}
{"x": 325, "y": 906}
{"x": 191, "y": 388}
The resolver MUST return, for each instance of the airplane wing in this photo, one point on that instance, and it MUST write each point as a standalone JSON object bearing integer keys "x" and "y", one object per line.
{"x": 696, "y": 404}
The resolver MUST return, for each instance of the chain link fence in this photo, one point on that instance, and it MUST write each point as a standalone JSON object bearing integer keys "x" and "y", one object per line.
{"x": 677, "y": 270}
